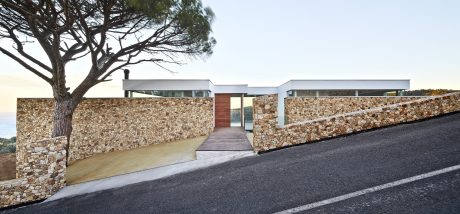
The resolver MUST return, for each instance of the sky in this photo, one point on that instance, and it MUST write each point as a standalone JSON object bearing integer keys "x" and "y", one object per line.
{"x": 267, "y": 42}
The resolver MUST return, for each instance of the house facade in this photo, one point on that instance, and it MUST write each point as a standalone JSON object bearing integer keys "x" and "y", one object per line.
{"x": 233, "y": 103}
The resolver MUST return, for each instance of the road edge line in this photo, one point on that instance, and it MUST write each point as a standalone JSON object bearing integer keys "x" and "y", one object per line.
{"x": 369, "y": 190}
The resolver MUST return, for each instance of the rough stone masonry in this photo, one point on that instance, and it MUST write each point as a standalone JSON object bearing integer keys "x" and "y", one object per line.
{"x": 43, "y": 165}
{"x": 298, "y": 109}
{"x": 102, "y": 125}
{"x": 267, "y": 135}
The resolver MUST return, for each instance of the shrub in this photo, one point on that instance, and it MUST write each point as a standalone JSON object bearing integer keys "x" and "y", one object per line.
{"x": 8, "y": 145}
{"x": 9, "y": 148}
{"x": 427, "y": 92}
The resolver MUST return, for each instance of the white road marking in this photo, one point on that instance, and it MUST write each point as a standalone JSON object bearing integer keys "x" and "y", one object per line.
{"x": 369, "y": 190}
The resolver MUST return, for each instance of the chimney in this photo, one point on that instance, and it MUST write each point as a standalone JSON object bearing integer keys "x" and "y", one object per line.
{"x": 126, "y": 78}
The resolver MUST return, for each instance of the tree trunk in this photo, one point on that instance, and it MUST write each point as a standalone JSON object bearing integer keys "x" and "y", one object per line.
{"x": 62, "y": 120}
{"x": 63, "y": 113}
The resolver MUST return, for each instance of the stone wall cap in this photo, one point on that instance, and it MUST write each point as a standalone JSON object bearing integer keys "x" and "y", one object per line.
{"x": 15, "y": 181}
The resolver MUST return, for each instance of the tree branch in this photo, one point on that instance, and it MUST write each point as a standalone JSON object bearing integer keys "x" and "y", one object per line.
{"x": 20, "y": 48}
{"x": 25, "y": 65}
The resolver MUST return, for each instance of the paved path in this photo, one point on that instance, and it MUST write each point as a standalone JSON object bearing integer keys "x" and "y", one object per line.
{"x": 302, "y": 175}
{"x": 226, "y": 139}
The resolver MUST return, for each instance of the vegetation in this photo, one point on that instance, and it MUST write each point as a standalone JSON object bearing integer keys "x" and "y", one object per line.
{"x": 428, "y": 92}
{"x": 108, "y": 35}
{"x": 8, "y": 145}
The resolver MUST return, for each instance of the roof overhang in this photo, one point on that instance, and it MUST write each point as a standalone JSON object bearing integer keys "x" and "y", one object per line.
{"x": 167, "y": 84}
{"x": 399, "y": 84}
{"x": 234, "y": 89}
{"x": 261, "y": 90}
{"x": 206, "y": 84}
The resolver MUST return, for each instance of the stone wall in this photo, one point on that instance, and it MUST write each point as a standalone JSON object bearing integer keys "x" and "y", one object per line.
{"x": 102, "y": 125}
{"x": 298, "y": 109}
{"x": 268, "y": 136}
{"x": 43, "y": 165}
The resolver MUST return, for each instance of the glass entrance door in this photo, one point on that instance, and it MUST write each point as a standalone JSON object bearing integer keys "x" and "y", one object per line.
{"x": 247, "y": 106}
{"x": 241, "y": 111}
{"x": 235, "y": 112}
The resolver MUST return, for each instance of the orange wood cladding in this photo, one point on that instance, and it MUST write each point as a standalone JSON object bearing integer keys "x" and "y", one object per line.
{"x": 222, "y": 114}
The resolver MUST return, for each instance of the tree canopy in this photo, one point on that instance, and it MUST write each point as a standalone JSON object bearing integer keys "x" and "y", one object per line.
{"x": 111, "y": 33}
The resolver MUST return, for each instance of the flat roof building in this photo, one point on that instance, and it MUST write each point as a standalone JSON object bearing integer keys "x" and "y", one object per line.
{"x": 296, "y": 88}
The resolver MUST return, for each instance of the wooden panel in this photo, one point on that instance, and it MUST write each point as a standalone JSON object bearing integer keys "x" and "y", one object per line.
{"x": 222, "y": 108}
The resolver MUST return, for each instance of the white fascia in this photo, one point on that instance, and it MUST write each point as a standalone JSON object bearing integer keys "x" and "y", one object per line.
{"x": 368, "y": 84}
{"x": 231, "y": 89}
{"x": 167, "y": 84}
{"x": 262, "y": 90}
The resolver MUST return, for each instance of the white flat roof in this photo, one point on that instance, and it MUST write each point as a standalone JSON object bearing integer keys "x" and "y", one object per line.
{"x": 346, "y": 84}
{"x": 206, "y": 84}
{"x": 262, "y": 90}
{"x": 167, "y": 84}
{"x": 237, "y": 89}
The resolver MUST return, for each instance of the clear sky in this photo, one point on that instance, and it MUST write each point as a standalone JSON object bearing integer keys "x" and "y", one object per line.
{"x": 267, "y": 42}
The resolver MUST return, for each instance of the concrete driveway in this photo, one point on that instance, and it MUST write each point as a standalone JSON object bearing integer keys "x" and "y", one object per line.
{"x": 122, "y": 162}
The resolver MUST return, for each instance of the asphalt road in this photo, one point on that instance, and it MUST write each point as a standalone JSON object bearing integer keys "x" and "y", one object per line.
{"x": 301, "y": 175}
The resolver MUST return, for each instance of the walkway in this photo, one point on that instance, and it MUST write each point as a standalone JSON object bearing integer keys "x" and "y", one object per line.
{"x": 226, "y": 139}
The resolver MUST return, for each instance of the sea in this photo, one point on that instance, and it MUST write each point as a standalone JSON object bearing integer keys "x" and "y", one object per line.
{"x": 7, "y": 124}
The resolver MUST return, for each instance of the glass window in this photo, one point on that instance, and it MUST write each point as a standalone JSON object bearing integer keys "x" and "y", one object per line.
{"x": 347, "y": 93}
{"x": 188, "y": 94}
{"x": 199, "y": 94}
{"x": 377, "y": 93}
{"x": 150, "y": 93}
{"x": 371, "y": 93}
{"x": 141, "y": 93}
{"x": 323, "y": 93}
{"x": 305, "y": 93}
{"x": 391, "y": 93}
